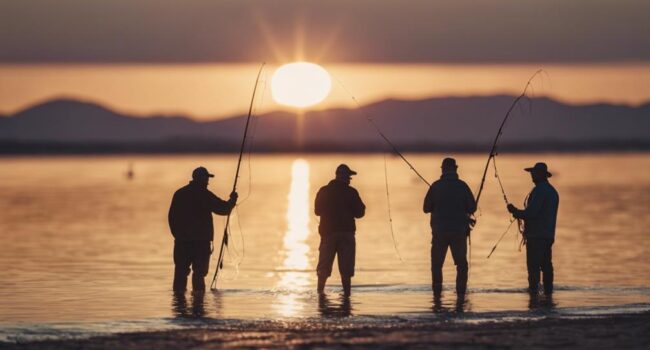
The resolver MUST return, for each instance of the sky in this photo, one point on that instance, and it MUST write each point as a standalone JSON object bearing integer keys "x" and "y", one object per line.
{"x": 369, "y": 31}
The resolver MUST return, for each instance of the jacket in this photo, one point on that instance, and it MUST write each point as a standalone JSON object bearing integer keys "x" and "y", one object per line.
{"x": 190, "y": 213}
{"x": 338, "y": 204}
{"x": 450, "y": 202}
{"x": 540, "y": 214}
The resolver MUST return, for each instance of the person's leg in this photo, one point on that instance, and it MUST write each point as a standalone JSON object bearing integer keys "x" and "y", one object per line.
{"x": 326, "y": 253}
{"x": 200, "y": 265}
{"x": 458, "y": 244}
{"x": 533, "y": 262}
{"x": 182, "y": 264}
{"x": 346, "y": 250}
{"x": 547, "y": 267}
{"x": 439, "y": 246}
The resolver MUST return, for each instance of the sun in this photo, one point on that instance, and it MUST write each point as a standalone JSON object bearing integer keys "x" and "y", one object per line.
{"x": 300, "y": 84}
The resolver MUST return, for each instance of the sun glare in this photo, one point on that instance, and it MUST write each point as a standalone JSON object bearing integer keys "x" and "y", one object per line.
{"x": 300, "y": 84}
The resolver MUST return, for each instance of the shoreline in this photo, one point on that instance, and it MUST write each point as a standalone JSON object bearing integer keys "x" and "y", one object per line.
{"x": 629, "y": 331}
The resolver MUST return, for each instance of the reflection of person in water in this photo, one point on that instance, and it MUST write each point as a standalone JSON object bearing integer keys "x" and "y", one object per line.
{"x": 329, "y": 309}
{"x": 180, "y": 309}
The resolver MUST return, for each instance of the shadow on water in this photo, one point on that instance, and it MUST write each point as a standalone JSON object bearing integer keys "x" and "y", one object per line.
{"x": 330, "y": 309}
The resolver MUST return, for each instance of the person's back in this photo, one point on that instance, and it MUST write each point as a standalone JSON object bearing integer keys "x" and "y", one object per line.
{"x": 541, "y": 211}
{"x": 451, "y": 204}
{"x": 338, "y": 205}
{"x": 190, "y": 214}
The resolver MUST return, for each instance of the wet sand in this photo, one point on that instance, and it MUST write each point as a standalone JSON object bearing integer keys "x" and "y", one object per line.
{"x": 607, "y": 332}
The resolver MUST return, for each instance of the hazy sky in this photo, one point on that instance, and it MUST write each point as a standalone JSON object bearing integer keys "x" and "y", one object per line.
{"x": 324, "y": 31}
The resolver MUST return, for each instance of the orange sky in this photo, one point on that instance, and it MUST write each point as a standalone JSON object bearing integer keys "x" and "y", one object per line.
{"x": 212, "y": 91}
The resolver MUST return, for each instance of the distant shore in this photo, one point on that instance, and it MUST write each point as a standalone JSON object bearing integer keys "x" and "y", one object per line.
{"x": 11, "y": 148}
{"x": 630, "y": 331}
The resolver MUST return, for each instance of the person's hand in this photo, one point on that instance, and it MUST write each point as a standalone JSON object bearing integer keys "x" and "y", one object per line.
{"x": 511, "y": 208}
{"x": 233, "y": 197}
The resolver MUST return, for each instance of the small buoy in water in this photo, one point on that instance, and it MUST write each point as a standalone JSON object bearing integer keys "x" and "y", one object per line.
{"x": 129, "y": 173}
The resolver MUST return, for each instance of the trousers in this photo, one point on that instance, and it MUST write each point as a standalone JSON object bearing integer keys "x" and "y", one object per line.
{"x": 539, "y": 255}
{"x": 457, "y": 243}
{"x": 194, "y": 255}
{"x": 341, "y": 244}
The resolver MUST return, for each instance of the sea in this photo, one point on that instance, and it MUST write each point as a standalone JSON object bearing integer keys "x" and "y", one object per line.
{"x": 86, "y": 249}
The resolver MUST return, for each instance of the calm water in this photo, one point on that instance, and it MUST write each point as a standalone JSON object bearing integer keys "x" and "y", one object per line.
{"x": 85, "y": 251}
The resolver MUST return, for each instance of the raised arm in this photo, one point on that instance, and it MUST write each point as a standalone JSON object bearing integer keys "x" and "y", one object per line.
{"x": 221, "y": 207}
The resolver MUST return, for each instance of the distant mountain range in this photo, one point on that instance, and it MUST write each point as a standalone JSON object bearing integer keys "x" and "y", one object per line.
{"x": 445, "y": 123}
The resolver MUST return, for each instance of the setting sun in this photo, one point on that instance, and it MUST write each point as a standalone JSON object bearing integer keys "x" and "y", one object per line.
{"x": 300, "y": 84}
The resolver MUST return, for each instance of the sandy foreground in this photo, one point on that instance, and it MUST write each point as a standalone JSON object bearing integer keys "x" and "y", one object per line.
{"x": 610, "y": 332}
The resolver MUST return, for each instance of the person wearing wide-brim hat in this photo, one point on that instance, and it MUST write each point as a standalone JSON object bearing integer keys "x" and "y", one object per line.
{"x": 540, "y": 218}
{"x": 338, "y": 204}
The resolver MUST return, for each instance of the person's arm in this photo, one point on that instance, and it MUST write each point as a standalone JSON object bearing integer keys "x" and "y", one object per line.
{"x": 318, "y": 203}
{"x": 427, "y": 207}
{"x": 171, "y": 215}
{"x": 470, "y": 201}
{"x": 221, "y": 207}
{"x": 533, "y": 207}
{"x": 359, "y": 208}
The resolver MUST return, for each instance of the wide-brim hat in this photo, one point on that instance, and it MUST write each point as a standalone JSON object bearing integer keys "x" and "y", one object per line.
{"x": 539, "y": 168}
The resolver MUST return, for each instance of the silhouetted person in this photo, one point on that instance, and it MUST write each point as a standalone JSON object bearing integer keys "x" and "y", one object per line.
{"x": 338, "y": 204}
{"x": 451, "y": 204}
{"x": 190, "y": 221}
{"x": 540, "y": 217}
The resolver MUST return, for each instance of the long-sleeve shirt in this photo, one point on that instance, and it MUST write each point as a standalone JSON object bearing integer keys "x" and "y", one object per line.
{"x": 190, "y": 213}
{"x": 338, "y": 204}
{"x": 450, "y": 202}
{"x": 540, "y": 214}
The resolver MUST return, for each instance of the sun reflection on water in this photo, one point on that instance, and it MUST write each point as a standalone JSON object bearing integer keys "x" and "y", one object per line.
{"x": 296, "y": 270}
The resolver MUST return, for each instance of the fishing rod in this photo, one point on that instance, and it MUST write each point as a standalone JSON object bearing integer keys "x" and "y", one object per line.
{"x": 224, "y": 240}
{"x": 493, "y": 150}
{"x": 381, "y": 134}
{"x": 492, "y": 157}
{"x": 396, "y": 151}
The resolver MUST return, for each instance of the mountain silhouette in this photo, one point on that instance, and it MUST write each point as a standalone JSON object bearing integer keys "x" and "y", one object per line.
{"x": 442, "y": 121}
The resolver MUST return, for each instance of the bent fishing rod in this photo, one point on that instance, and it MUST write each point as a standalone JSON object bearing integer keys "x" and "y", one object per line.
{"x": 381, "y": 134}
{"x": 224, "y": 240}
{"x": 493, "y": 154}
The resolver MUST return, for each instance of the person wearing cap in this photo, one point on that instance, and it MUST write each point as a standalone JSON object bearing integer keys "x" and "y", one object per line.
{"x": 540, "y": 217}
{"x": 451, "y": 204}
{"x": 190, "y": 222}
{"x": 338, "y": 205}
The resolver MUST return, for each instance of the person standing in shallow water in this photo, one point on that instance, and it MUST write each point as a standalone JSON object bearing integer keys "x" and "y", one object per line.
{"x": 540, "y": 217}
{"x": 190, "y": 222}
{"x": 451, "y": 204}
{"x": 338, "y": 205}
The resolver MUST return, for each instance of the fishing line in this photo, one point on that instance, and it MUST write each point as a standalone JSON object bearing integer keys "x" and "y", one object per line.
{"x": 390, "y": 216}
{"x": 395, "y": 150}
{"x": 378, "y": 130}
